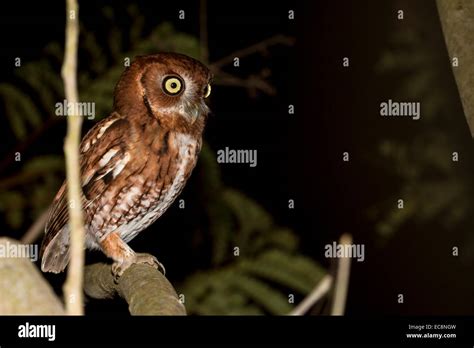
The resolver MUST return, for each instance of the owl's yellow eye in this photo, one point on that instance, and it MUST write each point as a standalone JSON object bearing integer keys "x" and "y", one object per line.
{"x": 172, "y": 85}
{"x": 207, "y": 91}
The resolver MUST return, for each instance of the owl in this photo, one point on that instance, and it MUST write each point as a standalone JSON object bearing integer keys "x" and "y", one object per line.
{"x": 135, "y": 162}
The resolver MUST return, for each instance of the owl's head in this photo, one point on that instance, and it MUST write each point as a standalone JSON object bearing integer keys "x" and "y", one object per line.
{"x": 170, "y": 87}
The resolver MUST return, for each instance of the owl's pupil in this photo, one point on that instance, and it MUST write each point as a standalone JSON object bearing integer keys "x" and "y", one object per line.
{"x": 174, "y": 85}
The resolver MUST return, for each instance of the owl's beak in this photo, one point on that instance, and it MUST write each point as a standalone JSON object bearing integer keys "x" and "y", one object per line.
{"x": 194, "y": 110}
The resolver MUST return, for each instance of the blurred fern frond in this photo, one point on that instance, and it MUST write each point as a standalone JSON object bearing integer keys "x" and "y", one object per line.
{"x": 263, "y": 284}
{"x": 431, "y": 184}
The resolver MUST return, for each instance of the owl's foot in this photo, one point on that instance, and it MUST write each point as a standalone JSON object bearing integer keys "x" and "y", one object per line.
{"x": 119, "y": 267}
{"x": 115, "y": 248}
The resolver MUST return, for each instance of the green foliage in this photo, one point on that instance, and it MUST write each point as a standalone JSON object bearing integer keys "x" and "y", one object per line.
{"x": 258, "y": 284}
{"x": 431, "y": 186}
{"x": 29, "y": 192}
{"x": 12, "y": 205}
{"x": 256, "y": 265}
{"x": 21, "y": 111}
{"x": 235, "y": 219}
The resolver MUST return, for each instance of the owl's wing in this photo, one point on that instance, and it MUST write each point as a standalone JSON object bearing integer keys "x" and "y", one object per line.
{"x": 103, "y": 155}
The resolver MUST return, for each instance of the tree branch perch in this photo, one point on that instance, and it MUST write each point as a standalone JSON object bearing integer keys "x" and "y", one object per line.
{"x": 145, "y": 289}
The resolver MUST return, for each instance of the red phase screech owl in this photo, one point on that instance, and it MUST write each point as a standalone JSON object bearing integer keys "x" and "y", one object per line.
{"x": 135, "y": 162}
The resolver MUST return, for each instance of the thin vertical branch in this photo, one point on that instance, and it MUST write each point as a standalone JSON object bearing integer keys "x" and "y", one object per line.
{"x": 342, "y": 279}
{"x": 73, "y": 286}
{"x": 203, "y": 36}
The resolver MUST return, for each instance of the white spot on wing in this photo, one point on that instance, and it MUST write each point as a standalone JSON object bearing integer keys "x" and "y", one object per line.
{"x": 106, "y": 158}
{"x": 121, "y": 164}
{"x": 86, "y": 147}
{"x": 103, "y": 129}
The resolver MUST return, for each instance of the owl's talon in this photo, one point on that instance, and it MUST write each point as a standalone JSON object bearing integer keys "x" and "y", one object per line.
{"x": 150, "y": 260}
{"x": 118, "y": 268}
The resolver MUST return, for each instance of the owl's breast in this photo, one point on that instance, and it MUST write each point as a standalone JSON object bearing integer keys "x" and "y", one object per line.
{"x": 172, "y": 168}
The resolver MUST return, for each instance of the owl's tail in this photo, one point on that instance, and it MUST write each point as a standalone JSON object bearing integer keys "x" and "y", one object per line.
{"x": 55, "y": 251}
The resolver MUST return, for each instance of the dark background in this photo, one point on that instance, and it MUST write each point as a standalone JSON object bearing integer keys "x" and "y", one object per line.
{"x": 341, "y": 114}
{"x": 300, "y": 156}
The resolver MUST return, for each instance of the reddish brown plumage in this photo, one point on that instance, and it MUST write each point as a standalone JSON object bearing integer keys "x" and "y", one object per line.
{"x": 135, "y": 162}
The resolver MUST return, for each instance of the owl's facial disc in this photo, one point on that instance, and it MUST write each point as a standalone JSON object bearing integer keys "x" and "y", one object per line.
{"x": 191, "y": 100}
{"x": 175, "y": 92}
